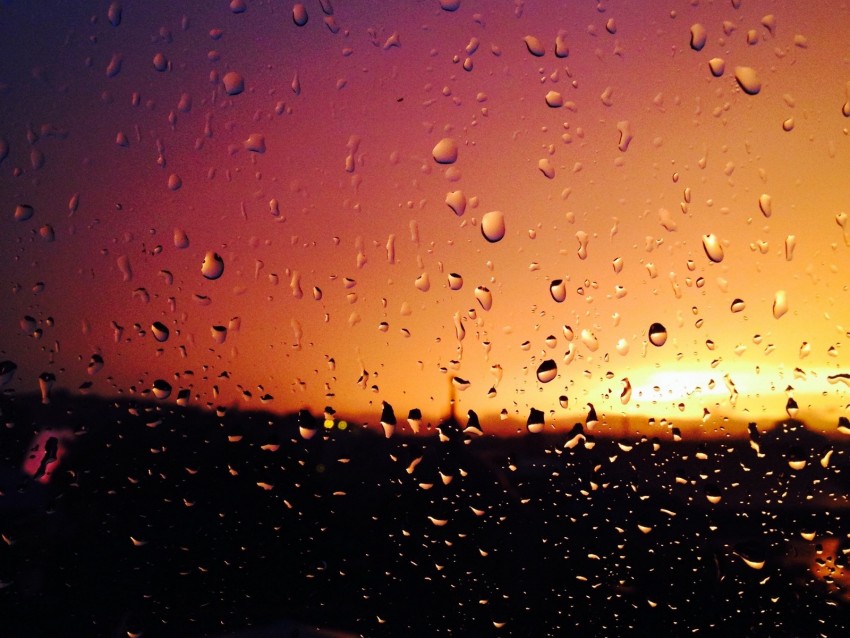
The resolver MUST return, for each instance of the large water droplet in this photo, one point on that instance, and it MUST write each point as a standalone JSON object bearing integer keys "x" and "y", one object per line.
{"x": 717, "y": 66}
{"x": 484, "y": 297}
{"x": 748, "y": 80}
{"x": 765, "y": 205}
{"x": 423, "y": 282}
{"x": 299, "y": 14}
{"x": 657, "y": 334}
{"x": 780, "y": 304}
{"x": 534, "y": 45}
{"x": 698, "y": 37}
{"x": 233, "y": 82}
{"x": 455, "y": 281}
{"x": 7, "y": 371}
{"x": 181, "y": 239}
{"x": 23, "y": 212}
{"x": 713, "y": 248}
{"x": 558, "y": 290}
{"x": 493, "y": 226}
{"x": 159, "y": 331}
{"x": 738, "y": 305}
{"x": 554, "y": 99}
{"x": 547, "y": 371}
{"x": 456, "y": 200}
{"x": 546, "y": 167}
{"x": 535, "y": 421}
{"x": 445, "y": 152}
{"x": 161, "y": 389}
{"x": 213, "y": 265}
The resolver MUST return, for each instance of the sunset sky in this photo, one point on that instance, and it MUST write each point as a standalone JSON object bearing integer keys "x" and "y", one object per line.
{"x": 663, "y": 160}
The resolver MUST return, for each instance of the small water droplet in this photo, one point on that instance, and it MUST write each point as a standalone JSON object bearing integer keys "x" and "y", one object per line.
{"x": 455, "y": 281}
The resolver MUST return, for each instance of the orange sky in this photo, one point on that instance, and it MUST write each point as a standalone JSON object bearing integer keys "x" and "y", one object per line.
{"x": 349, "y": 108}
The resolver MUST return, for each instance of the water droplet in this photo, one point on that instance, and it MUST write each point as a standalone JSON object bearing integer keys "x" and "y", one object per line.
{"x": 174, "y": 182}
{"x": 747, "y": 79}
{"x": 159, "y": 331}
{"x": 233, "y": 82}
{"x": 765, "y": 205}
{"x": 7, "y": 371}
{"x": 423, "y": 282}
{"x": 256, "y": 143}
{"x": 299, "y": 14}
{"x": 780, "y": 304}
{"x": 535, "y": 421}
{"x": 493, "y": 226}
{"x": 455, "y": 281}
{"x": 445, "y": 152}
{"x": 546, "y": 167}
{"x": 582, "y": 238}
{"x": 219, "y": 334}
{"x": 738, "y": 305}
{"x": 625, "y": 130}
{"x": 484, "y": 297}
{"x": 589, "y": 340}
{"x": 790, "y": 245}
{"x": 95, "y": 365}
{"x": 713, "y": 248}
{"x": 561, "y": 48}
{"x": 46, "y": 380}
{"x": 114, "y": 14}
{"x": 547, "y": 371}
{"x": 698, "y": 37}
{"x": 456, "y": 200}
{"x": 181, "y": 240}
{"x": 161, "y": 389}
{"x": 657, "y": 334}
{"x": 554, "y": 100}
{"x": 160, "y": 62}
{"x": 23, "y": 212}
{"x": 114, "y": 66}
{"x": 558, "y": 290}
{"x": 534, "y": 45}
{"x": 212, "y": 266}
{"x": 450, "y": 5}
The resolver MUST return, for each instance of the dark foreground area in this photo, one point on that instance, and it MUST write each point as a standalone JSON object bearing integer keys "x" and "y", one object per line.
{"x": 160, "y": 520}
